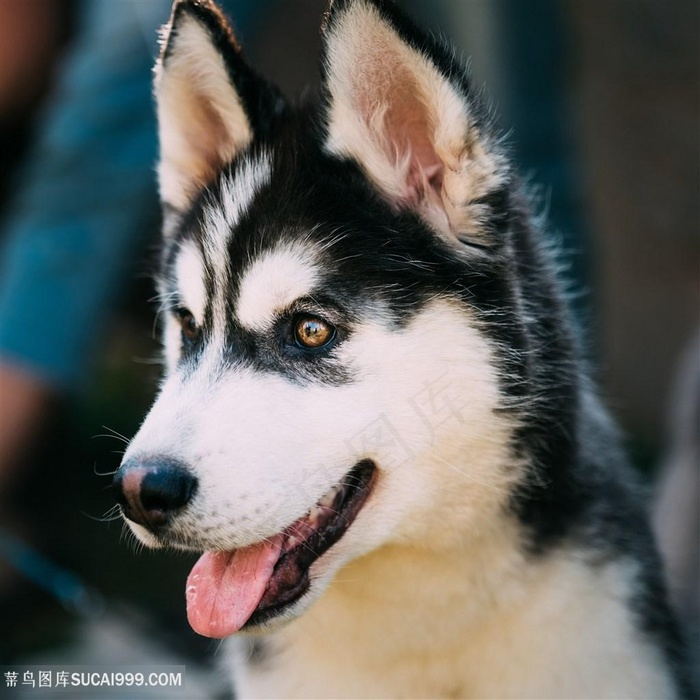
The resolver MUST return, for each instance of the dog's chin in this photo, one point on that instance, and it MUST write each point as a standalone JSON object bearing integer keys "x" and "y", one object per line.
{"x": 321, "y": 575}
{"x": 146, "y": 537}
{"x": 165, "y": 539}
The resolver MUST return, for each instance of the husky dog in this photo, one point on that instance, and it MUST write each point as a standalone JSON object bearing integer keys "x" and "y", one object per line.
{"x": 375, "y": 423}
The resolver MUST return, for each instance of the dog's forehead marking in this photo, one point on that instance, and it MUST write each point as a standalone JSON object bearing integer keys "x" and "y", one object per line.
{"x": 189, "y": 275}
{"x": 272, "y": 282}
{"x": 222, "y": 215}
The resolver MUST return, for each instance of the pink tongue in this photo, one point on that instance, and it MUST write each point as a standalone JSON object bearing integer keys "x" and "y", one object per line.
{"x": 224, "y": 588}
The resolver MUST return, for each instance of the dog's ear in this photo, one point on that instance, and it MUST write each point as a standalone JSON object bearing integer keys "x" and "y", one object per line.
{"x": 211, "y": 105}
{"x": 400, "y": 104}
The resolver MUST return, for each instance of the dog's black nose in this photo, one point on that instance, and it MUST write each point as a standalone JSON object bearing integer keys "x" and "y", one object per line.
{"x": 149, "y": 491}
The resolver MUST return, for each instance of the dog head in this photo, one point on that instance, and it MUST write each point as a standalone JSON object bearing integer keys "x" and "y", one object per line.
{"x": 340, "y": 313}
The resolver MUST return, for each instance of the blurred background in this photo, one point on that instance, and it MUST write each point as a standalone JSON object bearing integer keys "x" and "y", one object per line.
{"x": 601, "y": 101}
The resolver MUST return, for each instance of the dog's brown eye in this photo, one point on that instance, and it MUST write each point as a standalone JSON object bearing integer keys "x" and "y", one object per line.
{"x": 188, "y": 324}
{"x": 313, "y": 332}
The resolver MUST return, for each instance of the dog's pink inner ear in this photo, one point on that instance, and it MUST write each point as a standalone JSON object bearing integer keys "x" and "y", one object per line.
{"x": 408, "y": 128}
{"x": 407, "y": 124}
{"x": 385, "y": 95}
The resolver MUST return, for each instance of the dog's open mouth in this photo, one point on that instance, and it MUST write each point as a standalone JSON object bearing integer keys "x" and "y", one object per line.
{"x": 227, "y": 591}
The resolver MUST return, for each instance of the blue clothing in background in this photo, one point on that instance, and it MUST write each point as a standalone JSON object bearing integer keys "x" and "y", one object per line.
{"x": 86, "y": 201}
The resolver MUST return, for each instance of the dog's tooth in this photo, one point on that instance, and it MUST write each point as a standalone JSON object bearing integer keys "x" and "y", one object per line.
{"x": 329, "y": 497}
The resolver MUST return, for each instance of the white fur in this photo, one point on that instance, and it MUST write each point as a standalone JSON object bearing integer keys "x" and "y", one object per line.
{"x": 477, "y": 622}
{"x": 272, "y": 282}
{"x": 189, "y": 271}
{"x": 172, "y": 340}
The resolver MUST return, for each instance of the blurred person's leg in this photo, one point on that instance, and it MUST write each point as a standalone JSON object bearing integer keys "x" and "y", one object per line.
{"x": 24, "y": 402}
{"x": 32, "y": 33}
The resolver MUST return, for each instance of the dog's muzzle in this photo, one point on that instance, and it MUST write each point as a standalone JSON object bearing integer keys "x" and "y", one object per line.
{"x": 151, "y": 491}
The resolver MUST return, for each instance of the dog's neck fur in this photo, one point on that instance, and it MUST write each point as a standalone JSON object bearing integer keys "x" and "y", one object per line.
{"x": 380, "y": 632}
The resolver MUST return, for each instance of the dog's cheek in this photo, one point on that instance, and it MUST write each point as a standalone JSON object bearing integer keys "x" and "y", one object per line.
{"x": 430, "y": 396}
